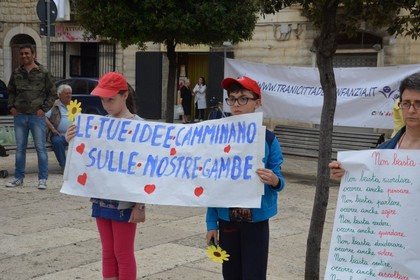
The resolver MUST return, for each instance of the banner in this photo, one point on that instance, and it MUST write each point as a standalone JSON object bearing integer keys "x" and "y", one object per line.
{"x": 210, "y": 163}
{"x": 376, "y": 225}
{"x": 365, "y": 96}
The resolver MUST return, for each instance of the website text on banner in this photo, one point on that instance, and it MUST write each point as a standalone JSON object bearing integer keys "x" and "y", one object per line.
{"x": 365, "y": 95}
{"x": 375, "y": 233}
{"x": 173, "y": 164}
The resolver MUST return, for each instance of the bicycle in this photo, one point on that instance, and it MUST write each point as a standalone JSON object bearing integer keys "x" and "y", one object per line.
{"x": 215, "y": 110}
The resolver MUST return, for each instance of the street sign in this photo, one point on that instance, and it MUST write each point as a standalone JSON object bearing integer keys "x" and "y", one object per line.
{"x": 44, "y": 31}
{"x": 41, "y": 11}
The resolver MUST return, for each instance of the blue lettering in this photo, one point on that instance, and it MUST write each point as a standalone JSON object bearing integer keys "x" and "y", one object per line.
{"x": 88, "y": 126}
{"x": 123, "y": 130}
{"x": 102, "y": 125}
{"x": 247, "y": 166}
{"x": 236, "y": 165}
{"x": 251, "y": 132}
{"x": 150, "y": 162}
{"x": 131, "y": 163}
{"x": 143, "y": 136}
{"x": 168, "y": 137}
{"x": 157, "y": 135}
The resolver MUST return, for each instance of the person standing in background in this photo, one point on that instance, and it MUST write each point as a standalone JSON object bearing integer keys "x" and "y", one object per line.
{"x": 199, "y": 92}
{"x": 57, "y": 123}
{"x": 186, "y": 99}
{"x": 31, "y": 94}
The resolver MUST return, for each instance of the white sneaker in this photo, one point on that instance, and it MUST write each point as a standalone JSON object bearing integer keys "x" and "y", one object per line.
{"x": 15, "y": 182}
{"x": 42, "y": 184}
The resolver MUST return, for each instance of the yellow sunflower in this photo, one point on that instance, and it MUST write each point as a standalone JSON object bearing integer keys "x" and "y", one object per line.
{"x": 217, "y": 254}
{"x": 73, "y": 108}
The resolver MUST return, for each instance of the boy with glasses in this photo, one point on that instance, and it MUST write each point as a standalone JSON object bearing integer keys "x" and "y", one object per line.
{"x": 244, "y": 233}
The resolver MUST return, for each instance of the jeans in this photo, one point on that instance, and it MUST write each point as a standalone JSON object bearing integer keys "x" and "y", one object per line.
{"x": 59, "y": 145}
{"x": 37, "y": 126}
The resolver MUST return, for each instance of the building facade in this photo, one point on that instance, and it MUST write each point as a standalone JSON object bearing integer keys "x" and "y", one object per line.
{"x": 283, "y": 39}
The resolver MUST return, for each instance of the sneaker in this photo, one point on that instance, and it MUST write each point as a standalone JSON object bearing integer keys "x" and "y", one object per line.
{"x": 15, "y": 182}
{"x": 42, "y": 184}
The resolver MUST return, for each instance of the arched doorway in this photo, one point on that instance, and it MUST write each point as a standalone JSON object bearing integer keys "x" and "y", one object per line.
{"x": 15, "y": 44}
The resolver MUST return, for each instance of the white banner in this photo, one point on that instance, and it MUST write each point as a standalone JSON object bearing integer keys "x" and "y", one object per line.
{"x": 376, "y": 225}
{"x": 365, "y": 95}
{"x": 211, "y": 163}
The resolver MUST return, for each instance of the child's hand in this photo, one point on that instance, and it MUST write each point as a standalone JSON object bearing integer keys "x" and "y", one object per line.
{"x": 71, "y": 132}
{"x": 138, "y": 215}
{"x": 212, "y": 234}
{"x": 267, "y": 176}
{"x": 336, "y": 171}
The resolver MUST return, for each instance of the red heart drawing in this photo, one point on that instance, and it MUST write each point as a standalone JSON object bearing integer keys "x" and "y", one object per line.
{"x": 95, "y": 127}
{"x": 129, "y": 132}
{"x": 227, "y": 149}
{"x": 149, "y": 188}
{"x": 80, "y": 148}
{"x": 139, "y": 164}
{"x": 173, "y": 151}
{"x": 200, "y": 168}
{"x": 81, "y": 179}
{"x": 198, "y": 191}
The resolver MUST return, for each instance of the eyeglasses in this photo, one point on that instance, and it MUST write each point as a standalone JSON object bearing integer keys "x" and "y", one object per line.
{"x": 241, "y": 100}
{"x": 406, "y": 105}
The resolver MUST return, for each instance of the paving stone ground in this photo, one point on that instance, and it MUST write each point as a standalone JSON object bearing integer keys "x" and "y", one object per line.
{"x": 48, "y": 235}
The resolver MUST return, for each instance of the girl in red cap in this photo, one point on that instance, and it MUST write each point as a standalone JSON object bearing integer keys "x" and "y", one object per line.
{"x": 116, "y": 220}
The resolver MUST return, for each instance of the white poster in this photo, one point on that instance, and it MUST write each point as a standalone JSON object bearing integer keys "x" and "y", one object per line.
{"x": 377, "y": 222}
{"x": 365, "y": 96}
{"x": 211, "y": 163}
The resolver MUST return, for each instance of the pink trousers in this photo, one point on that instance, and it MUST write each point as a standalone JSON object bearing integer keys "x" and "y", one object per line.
{"x": 118, "y": 258}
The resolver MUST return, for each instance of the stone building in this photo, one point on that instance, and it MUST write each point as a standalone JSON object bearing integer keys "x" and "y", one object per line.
{"x": 284, "y": 39}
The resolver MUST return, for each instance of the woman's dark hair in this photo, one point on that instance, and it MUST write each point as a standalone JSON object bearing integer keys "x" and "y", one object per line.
{"x": 204, "y": 80}
{"x": 410, "y": 82}
{"x": 131, "y": 99}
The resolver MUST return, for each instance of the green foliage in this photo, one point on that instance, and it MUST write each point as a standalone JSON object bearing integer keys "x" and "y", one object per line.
{"x": 184, "y": 21}
{"x": 396, "y": 17}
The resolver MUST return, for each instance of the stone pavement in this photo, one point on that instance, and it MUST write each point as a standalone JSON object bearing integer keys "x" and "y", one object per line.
{"x": 48, "y": 235}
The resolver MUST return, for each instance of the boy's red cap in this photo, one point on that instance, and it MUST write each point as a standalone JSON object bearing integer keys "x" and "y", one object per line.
{"x": 244, "y": 81}
{"x": 110, "y": 84}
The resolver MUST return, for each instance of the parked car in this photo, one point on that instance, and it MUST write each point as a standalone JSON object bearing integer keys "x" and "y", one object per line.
{"x": 81, "y": 88}
{"x": 3, "y": 99}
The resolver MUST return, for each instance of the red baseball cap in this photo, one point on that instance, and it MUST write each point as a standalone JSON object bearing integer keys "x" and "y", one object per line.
{"x": 244, "y": 81}
{"x": 110, "y": 84}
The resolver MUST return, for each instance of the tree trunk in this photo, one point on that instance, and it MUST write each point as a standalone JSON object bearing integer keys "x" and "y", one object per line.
{"x": 325, "y": 47}
{"x": 170, "y": 99}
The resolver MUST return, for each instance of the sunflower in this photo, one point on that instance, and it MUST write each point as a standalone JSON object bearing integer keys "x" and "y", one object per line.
{"x": 73, "y": 108}
{"x": 217, "y": 254}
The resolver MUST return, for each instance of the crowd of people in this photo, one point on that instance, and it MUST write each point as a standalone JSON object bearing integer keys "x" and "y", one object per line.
{"x": 243, "y": 232}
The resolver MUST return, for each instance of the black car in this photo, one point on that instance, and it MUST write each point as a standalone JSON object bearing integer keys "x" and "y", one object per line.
{"x": 81, "y": 89}
{"x": 3, "y": 98}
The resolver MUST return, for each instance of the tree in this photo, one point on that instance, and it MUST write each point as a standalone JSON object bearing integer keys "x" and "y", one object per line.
{"x": 170, "y": 22}
{"x": 333, "y": 17}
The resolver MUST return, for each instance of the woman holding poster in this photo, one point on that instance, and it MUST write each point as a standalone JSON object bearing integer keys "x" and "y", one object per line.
{"x": 244, "y": 233}
{"x": 408, "y": 137}
{"x": 116, "y": 220}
